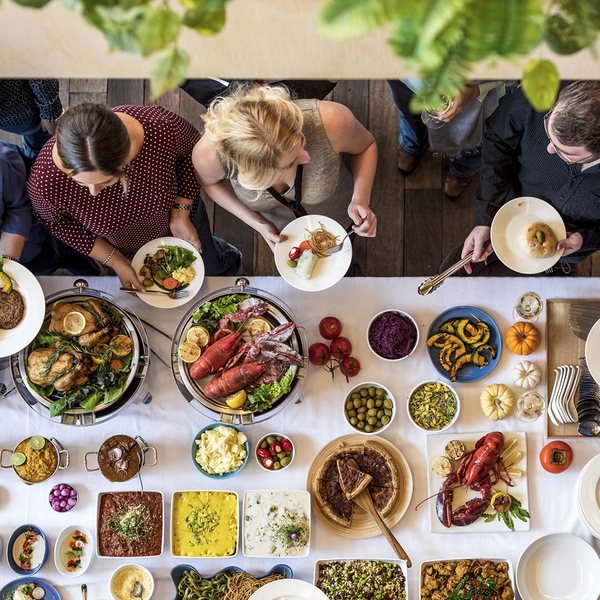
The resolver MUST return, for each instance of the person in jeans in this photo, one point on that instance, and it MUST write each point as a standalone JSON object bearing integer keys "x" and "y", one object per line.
{"x": 553, "y": 156}
{"x": 459, "y": 139}
{"x": 30, "y": 108}
{"x": 114, "y": 179}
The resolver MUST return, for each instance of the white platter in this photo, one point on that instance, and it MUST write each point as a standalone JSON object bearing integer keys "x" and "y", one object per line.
{"x": 162, "y": 300}
{"x": 425, "y": 564}
{"x": 328, "y": 271}
{"x": 508, "y": 225}
{"x": 288, "y": 589}
{"x": 26, "y": 283}
{"x": 587, "y": 496}
{"x": 86, "y": 558}
{"x": 435, "y": 447}
{"x": 559, "y": 565}
{"x": 592, "y": 351}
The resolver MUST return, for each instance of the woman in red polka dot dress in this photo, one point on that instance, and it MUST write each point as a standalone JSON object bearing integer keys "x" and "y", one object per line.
{"x": 112, "y": 180}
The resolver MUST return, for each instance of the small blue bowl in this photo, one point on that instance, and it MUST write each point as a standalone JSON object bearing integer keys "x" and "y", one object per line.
{"x": 9, "y": 549}
{"x": 195, "y": 447}
{"x": 177, "y": 574}
{"x": 51, "y": 591}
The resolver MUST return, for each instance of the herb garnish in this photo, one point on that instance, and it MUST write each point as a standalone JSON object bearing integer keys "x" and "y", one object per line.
{"x": 132, "y": 523}
{"x": 507, "y": 517}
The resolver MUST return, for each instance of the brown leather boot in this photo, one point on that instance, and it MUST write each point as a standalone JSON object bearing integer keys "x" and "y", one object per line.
{"x": 455, "y": 186}
{"x": 407, "y": 161}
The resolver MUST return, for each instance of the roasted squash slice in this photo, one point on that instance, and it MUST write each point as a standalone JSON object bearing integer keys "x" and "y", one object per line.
{"x": 445, "y": 356}
{"x": 479, "y": 360}
{"x": 485, "y": 337}
{"x": 5, "y": 283}
{"x": 447, "y": 327}
{"x": 468, "y": 333}
{"x": 459, "y": 362}
{"x": 489, "y": 348}
{"x": 439, "y": 340}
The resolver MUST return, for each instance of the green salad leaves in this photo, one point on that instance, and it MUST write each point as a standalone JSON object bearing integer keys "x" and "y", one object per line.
{"x": 262, "y": 398}
{"x": 210, "y": 313}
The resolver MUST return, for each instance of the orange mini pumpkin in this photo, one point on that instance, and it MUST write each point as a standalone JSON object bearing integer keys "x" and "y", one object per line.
{"x": 522, "y": 338}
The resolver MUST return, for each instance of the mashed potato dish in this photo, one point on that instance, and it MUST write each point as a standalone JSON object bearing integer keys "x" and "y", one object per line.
{"x": 221, "y": 450}
{"x": 184, "y": 275}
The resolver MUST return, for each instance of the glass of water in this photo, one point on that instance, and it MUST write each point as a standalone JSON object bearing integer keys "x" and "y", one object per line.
{"x": 530, "y": 407}
{"x": 431, "y": 116}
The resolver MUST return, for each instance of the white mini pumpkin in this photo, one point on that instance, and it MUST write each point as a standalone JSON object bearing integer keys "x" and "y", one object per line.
{"x": 497, "y": 401}
{"x": 526, "y": 375}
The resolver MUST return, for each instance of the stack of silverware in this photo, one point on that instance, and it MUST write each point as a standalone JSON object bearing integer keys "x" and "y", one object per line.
{"x": 582, "y": 317}
{"x": 588, "y": 406}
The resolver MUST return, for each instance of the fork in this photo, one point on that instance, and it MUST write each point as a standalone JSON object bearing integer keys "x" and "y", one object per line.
{"x": 349, "y": 231}
{"x": 174, "y": 295}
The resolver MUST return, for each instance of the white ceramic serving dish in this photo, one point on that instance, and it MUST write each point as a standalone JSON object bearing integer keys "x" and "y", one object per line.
{"x": 308, "y": 512}
{"x": 162, "y": 547}
{"x": 259, "y": 460}
{"x": 86, "y": 558}
{"x": 388, "y": 395}
{"x": 288, "y": 589}
{"x": 433, "y": 430}
{"x": 118, "y": 569}
{"x": 405, "y": 314}
{"x": 237, "y": 545}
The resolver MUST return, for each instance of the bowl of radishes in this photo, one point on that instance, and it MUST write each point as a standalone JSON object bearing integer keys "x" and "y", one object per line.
{"x": 274, "y": 452}
{"x": 63, "y": 497}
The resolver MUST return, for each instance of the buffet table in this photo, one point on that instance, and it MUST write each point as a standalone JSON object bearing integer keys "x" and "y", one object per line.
{"x": 170, "y": 424}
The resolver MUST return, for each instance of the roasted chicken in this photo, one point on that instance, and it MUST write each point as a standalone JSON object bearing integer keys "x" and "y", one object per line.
{"x": 76, "y": 367}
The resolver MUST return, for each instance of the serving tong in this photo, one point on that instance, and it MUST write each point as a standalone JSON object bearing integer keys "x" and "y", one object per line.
{"x": 433, "y": 283}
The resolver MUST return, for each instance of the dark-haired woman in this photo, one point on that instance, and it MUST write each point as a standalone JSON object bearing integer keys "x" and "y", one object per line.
{"x": 112, "y": 180}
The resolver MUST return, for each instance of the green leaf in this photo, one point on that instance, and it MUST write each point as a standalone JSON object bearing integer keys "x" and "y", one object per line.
{"x": 168, "y": 71}
{"x": 347, "y": 18}
{"x": 541, "y": 82}
{"x": 563, "y": 37}
{"x": 32, "y": 3}
{"x": 206, "y": 17}
{"x": 159, "y": 27}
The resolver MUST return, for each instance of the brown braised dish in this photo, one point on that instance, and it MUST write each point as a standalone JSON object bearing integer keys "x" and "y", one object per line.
{"x": 120, "y": 458}
{"x": 130, "y": 524}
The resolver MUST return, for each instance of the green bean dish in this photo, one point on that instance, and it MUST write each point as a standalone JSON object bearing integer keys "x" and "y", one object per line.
{"x": 195, "y": 587}
{"x": 433, "y": 406}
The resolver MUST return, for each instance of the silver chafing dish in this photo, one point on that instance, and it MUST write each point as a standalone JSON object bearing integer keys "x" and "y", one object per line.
{"x": 136, "y": 388}
{"x": 217, "y": 410}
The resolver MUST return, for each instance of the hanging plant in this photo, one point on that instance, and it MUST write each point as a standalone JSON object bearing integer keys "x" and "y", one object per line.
{"x": 445, "y": 38}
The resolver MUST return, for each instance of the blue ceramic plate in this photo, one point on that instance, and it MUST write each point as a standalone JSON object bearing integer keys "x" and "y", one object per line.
{"x": 51, "y": 591}
{"x": 469, "y": 372}
{"x": 9, "y": 550}
{"x": 177, "y": 574}
{"x": 194, "y": 448}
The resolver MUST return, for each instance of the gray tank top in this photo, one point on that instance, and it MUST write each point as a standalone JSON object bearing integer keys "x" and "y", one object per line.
{"x": 327, "y": 184}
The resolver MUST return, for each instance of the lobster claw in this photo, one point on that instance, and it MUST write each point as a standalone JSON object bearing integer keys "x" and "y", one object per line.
{"x": 469, "y": 512}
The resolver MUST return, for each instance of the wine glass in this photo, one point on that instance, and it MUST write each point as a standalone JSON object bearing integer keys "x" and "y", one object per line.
{"x": 530, "y": 407}
{"x": 529, "y": 307}
{"x": 430, "y": 116}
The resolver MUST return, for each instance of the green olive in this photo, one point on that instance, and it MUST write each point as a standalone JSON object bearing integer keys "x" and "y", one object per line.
{"x": 362, "y": 410}
{"x": 147, "y": 282}
{"x": 370, "y": 403}
{"x": 368, "y": 428}
{"x": 292, "y": 264}
{"x": 361, "y": 416}
{"x": 388, "y": 412}
{"x": 281, "y": 455}
{"x": 380, "y": 393}
{"x": 372, "y": 412}
{"x": 352, "y": 413}
{"x": 385, "y": 420}
{"x": 380, "y": 414}
{"x": 360, "y": 425}
{"x": 363, "y": 401}
{"x": 388, "y": 403}
{"x": 357, "y": 403}
{"x": 372, "y": 391}
{"x": 349, "y": 405}
{"x": 285, "y": 461}
{"x": 378, "y": 424}
{"x": 372, "y": 420}
{"x": 353, "y": 421}
{"x": 278, "y": 438}
{"x": 276, "y": 466}
{"x": 270, "y": 439}
{"x": 364, "y": 392}
{"x": 355, "y": 395}
{"x": 379, "y": 403}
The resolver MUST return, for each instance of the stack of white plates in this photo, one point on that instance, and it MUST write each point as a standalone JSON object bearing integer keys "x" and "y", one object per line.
{"x": 587, "y": 496}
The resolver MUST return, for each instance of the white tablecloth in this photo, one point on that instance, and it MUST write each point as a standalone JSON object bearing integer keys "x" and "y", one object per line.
{"x": 170, "y": 424}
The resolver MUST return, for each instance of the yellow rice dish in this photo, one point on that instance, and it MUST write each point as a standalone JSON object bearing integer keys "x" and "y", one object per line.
{"x": 204, "y": 524}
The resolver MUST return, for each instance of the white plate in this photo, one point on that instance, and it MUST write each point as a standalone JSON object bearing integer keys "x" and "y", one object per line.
{"x": 508, "y": 225}
{"x": 288, "y": 589}
{"x": 580, "y": 513}
{"x": 328, "y": 271}
{"x": 25, "y": 282}
{"x": 592, "y": 351}
{"x": 435, "y": 447}
{"x": 162, "y": 300}
{"x": 86, "y": 558}
{"x": 559, "y": 566}
{"x": 589, "y": 494}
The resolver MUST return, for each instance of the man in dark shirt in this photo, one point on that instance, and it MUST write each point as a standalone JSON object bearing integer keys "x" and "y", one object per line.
{"x": 30, "y": 107}
{"x": 555, "y": 157}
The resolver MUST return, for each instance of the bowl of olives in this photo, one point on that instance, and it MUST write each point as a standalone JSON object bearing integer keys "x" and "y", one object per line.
{"x": 369, "y": 408}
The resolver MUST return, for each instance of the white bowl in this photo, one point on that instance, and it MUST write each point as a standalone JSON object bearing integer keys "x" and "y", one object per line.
{"x": 388, "y": 395}
{"x": 262, "y": 439}
{"x": 118, "y": 569}
{"x": 433, "y": 430}
{"x": 86, "y": 559}
{"x": 405, "y": 314}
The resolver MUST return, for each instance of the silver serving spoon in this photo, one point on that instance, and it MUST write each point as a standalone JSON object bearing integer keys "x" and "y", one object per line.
{"x": 138, "y": 590}
{"x": 84, "y": 591}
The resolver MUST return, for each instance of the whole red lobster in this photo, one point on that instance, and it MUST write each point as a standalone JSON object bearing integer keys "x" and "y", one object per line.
{"x": 479, "y": 470}
{"x": 235, "y": 379}
{"x": 216, "y": 355}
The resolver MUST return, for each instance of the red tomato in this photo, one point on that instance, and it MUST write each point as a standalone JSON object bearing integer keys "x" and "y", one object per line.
{"x": 350, "y": 366}
{"x": 556, "y": 457}
{"x": 305, "y": 245}
{"x": 295, "y": 253}
{"x": 170, "y": 283}
{"x": 319, "y": 354}
{"x": 340, "y": 347}
{"x": 330, "y": 328}
{"x": 116, "y": 364}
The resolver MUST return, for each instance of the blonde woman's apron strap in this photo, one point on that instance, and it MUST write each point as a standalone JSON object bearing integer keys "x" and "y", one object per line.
{"x": 295, "y": 206}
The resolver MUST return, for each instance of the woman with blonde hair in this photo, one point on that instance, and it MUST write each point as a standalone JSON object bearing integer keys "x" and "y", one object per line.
{"x": 268, "y": 159}
{"x": 113, "y": 179}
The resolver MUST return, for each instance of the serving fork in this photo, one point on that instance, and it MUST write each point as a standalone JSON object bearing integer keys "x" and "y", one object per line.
{"x": 174, "y": 295}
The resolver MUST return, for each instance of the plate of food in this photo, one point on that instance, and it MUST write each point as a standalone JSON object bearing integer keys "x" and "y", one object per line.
{"x": 524, "y": 234}
{"x": 22, "y": 307}
{"x": 301, "y": 259}
{"x": 73, "y": 551}
{"x": 391, "y": 484}
{"x": 27, "y": 550}
{"x": 337, "y": 578}
{"x": 29, "y": 588}
{"x": 189, "y": 583}
{"x": 464, "y": 344}
{"x": 491, "y": 497}
{"x": 168, "y": 264}
{"x": 478, "y": 578}
{"x": 289, "y": 589}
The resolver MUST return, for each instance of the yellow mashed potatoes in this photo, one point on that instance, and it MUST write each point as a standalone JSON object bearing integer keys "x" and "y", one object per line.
{"x": 204, "y": 524}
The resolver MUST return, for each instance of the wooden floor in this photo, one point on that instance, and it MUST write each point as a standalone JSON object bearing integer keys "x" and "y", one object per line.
{"x": 417, "y": 224}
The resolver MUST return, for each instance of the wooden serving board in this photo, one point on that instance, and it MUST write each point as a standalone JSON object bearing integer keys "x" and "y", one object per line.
{"x": 563, "y": 347}
{"x": 363, "y": 525}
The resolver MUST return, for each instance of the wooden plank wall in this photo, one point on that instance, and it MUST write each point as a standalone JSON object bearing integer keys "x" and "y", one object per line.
{"x": 417, "y": 225}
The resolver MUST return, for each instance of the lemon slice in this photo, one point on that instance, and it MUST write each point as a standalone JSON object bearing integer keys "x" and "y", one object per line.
{"x": 199, "y": 336}
{"x": 17, "y": 459}
{"x": 257, "y": 326}
{"x": 102, "y": 348}
{"x": 37, "y": 442}
{"x": 74, "y": 323}
{"x": 121, "y": 345}
{"x": 189, "y": 352}
{"x": 236, "y": 400}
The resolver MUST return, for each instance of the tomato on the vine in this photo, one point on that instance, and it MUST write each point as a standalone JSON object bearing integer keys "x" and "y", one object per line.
{"x": 330, "y": 328}
{"x": 350, "y": 366}
{"x": 319, "y": 354}
{"x": 340, "y": 347}
{"x": 556, "y": 457}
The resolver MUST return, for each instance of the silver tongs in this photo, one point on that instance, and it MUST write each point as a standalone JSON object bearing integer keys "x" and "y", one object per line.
{"x": 433, "y": 283}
